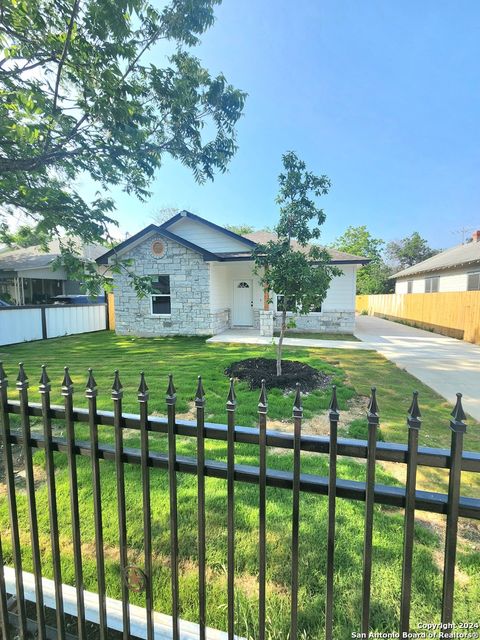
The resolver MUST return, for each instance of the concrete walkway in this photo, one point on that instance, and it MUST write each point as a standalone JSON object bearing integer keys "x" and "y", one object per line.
{"x": 444, "y": 364}
{"x": 251, "y": 336}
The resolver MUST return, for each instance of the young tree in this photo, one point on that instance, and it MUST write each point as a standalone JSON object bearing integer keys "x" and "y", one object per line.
{"x": 79, "y": 97}
{"x": 409, "y": 251}
{"x": 300, "y": 273}
{"x": 373, "y": 277}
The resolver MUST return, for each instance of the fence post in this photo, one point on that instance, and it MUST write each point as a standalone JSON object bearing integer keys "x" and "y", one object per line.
{"x": 200, "y": 406}
{"x": 458, "y": 427}
{"x": 22, "y": 386}
{"x": 297, "y": 432}
{"x": 414, "y": 422}
{"x": 67, "y": 393}
{"x": 44, "y": 390}
{"x": 143, "y": 396}
{"x": 12, "y": 501}
{"x": 333, "y": 416}
{"x": 117, "y": 395}
{"x": 91, "y": 392}
{"x": 231, "y": 406}
{"x": 372, "y": 418}
{"x": 171, "y": 400}
{"x": 262, "y": 488}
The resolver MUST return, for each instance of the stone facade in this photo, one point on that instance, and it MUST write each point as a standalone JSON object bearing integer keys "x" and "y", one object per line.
{"x": 266, "y": 323}
{"x": 189, "y": 290}
{"x": 324, "y": 322}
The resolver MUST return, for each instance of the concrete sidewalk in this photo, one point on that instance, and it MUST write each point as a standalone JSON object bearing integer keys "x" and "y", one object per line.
{"x": 444, "y": 364}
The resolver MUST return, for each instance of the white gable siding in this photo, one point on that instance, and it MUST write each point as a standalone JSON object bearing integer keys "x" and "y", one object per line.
{"x": 206, "y": 237}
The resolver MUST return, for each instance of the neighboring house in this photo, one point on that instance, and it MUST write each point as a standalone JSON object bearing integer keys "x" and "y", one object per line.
{"x": 27, "y": 275}
{"x": 456, "y": 269}
{"x": 204, "y": 283}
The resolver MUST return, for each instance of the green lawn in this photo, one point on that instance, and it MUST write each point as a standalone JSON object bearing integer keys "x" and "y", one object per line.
{"x": 353, "y": 372}
{"x": 312, "y": 335}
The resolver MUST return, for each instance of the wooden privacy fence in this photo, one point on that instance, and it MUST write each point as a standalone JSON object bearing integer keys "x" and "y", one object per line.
{"x": 454, "y": 313}
{"x": 12, "y": 602}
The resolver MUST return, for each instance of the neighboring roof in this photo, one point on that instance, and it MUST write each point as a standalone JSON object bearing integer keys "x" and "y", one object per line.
{"x": 462, "y": 254}
{"x": 250, "y": 241}
{"x": 36, "y": 258}
{"x": 338, "y": 257}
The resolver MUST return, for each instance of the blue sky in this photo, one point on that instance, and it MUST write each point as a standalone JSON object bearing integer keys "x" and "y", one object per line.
{"x": 381, "y": 96}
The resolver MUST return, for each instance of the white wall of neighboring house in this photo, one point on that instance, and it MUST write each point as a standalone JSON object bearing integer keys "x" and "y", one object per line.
{"x": 449, "y": 280}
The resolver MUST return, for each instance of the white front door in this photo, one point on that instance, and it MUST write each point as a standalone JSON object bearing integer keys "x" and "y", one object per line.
{"x": 242, "y": 303}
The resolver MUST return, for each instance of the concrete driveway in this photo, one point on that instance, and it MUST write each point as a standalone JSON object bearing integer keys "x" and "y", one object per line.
{"x": 444, "y": 364}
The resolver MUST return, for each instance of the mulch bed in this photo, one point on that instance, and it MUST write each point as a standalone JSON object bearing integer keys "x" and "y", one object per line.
{"x": 254, "y": 370}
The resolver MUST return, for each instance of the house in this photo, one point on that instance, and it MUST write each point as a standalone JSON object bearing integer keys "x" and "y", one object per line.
{"x": 27, "y": 276}
{"x": 204, "y": 283}
{"x": 456, "y": 269}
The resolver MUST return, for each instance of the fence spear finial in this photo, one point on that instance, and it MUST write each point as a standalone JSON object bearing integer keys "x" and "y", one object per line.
{"x": 117, "y": 388}
{"x": 231, "y": 398}
{"x": 171, "y": 391}
{"x": 142, "y": 393}
{"x": 333, "y": 406}
{"x": 67, "y": 384}
{"x": 91, "y": 387}
{"x": 458, "y": 415}
{"x": 414, "y": 414}
{"x": 297, "y": 403}
{"x": 200, "y": 394}
{"x": 44, "y": 384}
{"x": 22, "y": 379}
{"x": 263, "y": 399}
{"x": 3, "y": 377}
{"x": 372, "y": 405}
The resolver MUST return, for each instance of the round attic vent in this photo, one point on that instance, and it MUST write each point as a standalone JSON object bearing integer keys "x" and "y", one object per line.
{"x": 158, "y": 248}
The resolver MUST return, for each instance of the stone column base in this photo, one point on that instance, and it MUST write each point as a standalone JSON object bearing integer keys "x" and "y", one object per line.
{"x": 266, "y": 323}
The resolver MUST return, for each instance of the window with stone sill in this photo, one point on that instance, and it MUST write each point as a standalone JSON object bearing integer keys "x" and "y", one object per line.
{"x": 161, "y": 299}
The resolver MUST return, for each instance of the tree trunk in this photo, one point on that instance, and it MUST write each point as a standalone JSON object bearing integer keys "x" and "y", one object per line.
{"x": 280, "y": 340}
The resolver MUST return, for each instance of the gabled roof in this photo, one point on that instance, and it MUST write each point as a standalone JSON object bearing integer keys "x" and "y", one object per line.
{"x": 462, "y": 254}
{"x": 249, "y": 240}
{"x": 103, "y": 259}
{"x": 36, "y": 258}
{"x": 338, "y": 257}
{"x": 212, "y": 225}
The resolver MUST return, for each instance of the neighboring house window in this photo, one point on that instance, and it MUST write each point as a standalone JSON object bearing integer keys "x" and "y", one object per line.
{"x": 290, "y": 304}
{"x": 161, "y": 303}
{"x": 431, "y": 284}
{"x": 473, "y": 283}
{"x": 410, "y": 286}
{"x": 317, "y": 309}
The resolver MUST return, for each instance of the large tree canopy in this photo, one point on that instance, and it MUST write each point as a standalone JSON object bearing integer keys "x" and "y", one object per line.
{"x": 409, "y": 251}
{"x": 374, "y": 277}
{"x": 78, "y": 96}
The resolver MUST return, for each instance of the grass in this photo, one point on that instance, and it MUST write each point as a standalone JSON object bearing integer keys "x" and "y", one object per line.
{"x": 353, "y": 372}
{"x": 312, "y": 335}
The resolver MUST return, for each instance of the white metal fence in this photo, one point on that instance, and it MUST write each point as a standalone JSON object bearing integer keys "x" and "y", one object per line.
{"x": 23, "y": 324}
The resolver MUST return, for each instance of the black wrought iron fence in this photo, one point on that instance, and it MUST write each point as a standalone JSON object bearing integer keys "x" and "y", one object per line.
{"x": 13, "y": 610}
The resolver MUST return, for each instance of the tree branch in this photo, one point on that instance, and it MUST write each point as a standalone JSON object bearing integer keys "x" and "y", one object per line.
{"x": 61, "y": 62}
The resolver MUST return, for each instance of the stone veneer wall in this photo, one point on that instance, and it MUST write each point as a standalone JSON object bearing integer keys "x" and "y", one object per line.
{"x": 189, "y": 289}
{"x": 325, "y": 322}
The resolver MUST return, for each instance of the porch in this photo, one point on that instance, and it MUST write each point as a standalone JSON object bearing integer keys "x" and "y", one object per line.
{"x": 249, "y": 335}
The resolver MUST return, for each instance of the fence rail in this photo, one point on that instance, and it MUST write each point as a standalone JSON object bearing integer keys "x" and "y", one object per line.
{"x": 39, "y": 322}
{"x": 408, "y": 498}
{"x": 453, "y": 313}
